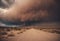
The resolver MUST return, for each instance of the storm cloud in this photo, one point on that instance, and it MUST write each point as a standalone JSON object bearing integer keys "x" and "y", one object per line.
{"x": 31, "y": 10}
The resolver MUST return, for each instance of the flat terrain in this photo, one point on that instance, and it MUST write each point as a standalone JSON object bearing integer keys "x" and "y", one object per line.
{"x": 35, "y": 35}
{"x": 39, "y": 32}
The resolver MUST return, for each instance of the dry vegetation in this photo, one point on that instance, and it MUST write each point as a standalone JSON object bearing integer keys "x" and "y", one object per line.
{"x": 6, "y": 32}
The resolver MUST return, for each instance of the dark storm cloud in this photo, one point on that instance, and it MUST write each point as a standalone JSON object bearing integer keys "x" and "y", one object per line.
{"x": 6, "y": 3}
{"x": 32, "y": 10}
{"x": 1, "y": 4}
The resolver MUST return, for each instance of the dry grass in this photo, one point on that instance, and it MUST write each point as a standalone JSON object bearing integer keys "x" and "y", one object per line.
{"x": 12, "y": 31}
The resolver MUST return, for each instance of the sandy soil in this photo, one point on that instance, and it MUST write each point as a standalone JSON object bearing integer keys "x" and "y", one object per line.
{"x": 35, "y": 35}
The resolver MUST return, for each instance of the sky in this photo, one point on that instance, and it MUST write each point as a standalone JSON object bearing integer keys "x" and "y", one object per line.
{"x": 16, "y": 12}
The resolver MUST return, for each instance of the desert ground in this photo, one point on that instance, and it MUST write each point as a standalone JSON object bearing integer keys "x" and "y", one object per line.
{"x": 31, "y": 33}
